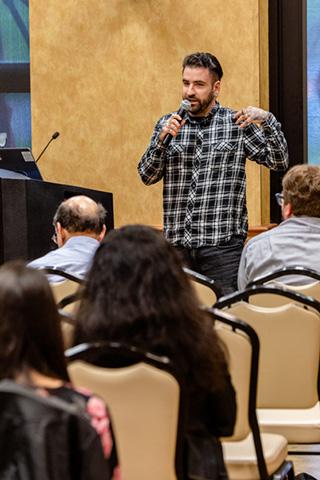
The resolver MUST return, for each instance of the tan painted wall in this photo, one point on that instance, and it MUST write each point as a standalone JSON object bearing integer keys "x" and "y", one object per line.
{"x": 103, "y": 72}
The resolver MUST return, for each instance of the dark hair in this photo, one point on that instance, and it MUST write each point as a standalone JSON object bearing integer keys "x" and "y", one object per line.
{"x": 80, "y": 216}
{"x": 301, "y": 188}
{"x": 137, "y": 293}
{"x": 205, "y": 60}
{"x": 30, "y": 334}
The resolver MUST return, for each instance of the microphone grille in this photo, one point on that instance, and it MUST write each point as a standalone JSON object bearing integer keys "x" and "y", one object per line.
{"x": 55, "y": 135}
{"x": 185, "y": 105}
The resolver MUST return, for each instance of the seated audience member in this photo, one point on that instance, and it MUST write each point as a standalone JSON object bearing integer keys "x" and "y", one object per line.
{"x": 79, "y": 227}
{"x": 31, "y": 355}
{"x": 137, "y": 293}
{"x": 295, "y": 242}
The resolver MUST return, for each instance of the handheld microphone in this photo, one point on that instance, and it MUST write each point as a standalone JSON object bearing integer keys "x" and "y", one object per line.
{"x": 53, "y": 137}
{"x": 182, "y": 112}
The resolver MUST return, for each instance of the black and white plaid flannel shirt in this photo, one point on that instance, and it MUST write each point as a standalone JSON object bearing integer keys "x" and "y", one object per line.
{"x": 203, "y": 171}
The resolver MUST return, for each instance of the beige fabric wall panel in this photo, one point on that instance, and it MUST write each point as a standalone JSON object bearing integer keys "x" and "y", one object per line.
{"x": 103, "y": 72}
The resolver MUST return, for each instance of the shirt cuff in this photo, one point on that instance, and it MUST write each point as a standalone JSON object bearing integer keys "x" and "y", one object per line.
{"x": 158, "y": 145}
{"x": 270, "y": 122}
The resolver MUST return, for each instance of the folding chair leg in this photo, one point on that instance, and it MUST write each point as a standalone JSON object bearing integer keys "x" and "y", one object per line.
{"x": 285, "y": 472}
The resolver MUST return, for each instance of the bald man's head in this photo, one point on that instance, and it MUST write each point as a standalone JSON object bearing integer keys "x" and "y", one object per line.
{"x": 81, "y": 215}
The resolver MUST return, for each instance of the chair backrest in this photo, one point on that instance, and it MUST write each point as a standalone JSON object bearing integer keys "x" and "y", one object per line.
{"x": 242, "y": 344}
{"x": 67, "y": 296}
{"x": 289, "y": 347}
{"x": 58, "y": 272}
{"x": 63, "y": 289}
{"x": 205, "y": 288}
{"x": 311, "y": 289}
{"x": 271, "y": 300}
{"x": 67, "y": 292}
{"x": 67, "y": 322}
{"x": 144, "y": 403}
{"x": 46, "y": 438}
{"x": 239, "y": 359}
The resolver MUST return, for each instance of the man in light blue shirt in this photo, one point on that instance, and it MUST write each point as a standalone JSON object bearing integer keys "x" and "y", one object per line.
{"x": 296, "y": 241}
{"x": 79, "y": 226}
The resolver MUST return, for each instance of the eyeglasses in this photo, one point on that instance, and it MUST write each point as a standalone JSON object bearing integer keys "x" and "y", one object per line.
{"x": 54, "y": 238}
{"x": 279, "y": 198}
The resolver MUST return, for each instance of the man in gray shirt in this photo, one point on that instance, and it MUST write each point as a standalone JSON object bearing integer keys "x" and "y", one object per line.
{"x": 296, "y": 241}
{"x": 79, "y": 228}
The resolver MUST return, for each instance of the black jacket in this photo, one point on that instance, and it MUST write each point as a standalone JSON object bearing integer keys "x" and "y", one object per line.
{"x": 46, "y": 439}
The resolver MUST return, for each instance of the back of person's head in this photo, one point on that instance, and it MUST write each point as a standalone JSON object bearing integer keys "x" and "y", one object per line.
{"x": 301, "y": 188}
{"x": 137, "y": 293}
{"x": 30, "y": 334}
{"x": 80, "y": 214}
{"x": 204, "y": 60}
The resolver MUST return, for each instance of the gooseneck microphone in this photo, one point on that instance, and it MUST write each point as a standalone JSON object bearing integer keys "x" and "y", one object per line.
{"x": 54, "y": 136}
{"x": 182, "y": 112}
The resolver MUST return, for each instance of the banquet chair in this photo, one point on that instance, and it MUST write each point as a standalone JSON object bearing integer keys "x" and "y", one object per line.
{"x": 63, "y": 290}
{"x": 312, "y": 288}
{"x": 205, "y": 288}
{"x": 288, "y": 382}
{"x": 67, "y": 323}
{"x": 145, "y": 403}
{"x": 248, "y": 454}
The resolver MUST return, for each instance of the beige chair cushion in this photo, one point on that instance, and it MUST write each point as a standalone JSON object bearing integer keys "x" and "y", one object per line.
{"x": 271, "y": 300}
{"x": 241, "y": 461}
{"x": 239, "y": 359}
{"x": 298, "y": 426}
{"x": 289, "y": 347}
{"x": 239, "y": 450}
{"x": 311, "y": 289}
{"x": 62, "y": 289}
{"x": 144, "y": 404}
{"x": 67, "y": 333}
{"x": 204, "y": 293}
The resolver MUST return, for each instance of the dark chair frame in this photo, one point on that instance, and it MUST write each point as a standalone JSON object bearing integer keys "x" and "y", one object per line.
{"x": 281, "y": 272}
{"x": 203, "y": 279}
{"x": 116, "y": 355}
{"x": 61, "y": 273}
{"x": 67, "y": 276}
{"x": 286, "y": 470}
{"x": 299, "y": 298}
{"x": 73, "y": 297}
{"x": 243, "y": 295}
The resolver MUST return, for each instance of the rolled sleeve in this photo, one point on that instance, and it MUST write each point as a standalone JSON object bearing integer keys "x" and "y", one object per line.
{"x": 267, "y": 145}
{"x": 152, "y": 164}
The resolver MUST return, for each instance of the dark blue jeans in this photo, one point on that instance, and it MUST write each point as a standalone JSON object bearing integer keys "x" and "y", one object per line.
{"x": 220, "y": 262}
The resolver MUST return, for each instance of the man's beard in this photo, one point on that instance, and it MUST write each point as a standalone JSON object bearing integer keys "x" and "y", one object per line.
{"x": 201, "y": 105}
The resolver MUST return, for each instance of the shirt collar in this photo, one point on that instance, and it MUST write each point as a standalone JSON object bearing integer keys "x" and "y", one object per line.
{"x": 81, "y": 239}
{"x": 208, "y": 118}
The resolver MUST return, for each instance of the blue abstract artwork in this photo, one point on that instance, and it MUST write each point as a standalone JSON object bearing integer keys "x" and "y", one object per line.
{"x": 15, "y": 117}
{"x": 313, "y": 80}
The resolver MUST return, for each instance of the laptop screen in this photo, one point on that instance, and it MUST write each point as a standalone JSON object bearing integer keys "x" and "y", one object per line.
{"x": 18, "y": 163}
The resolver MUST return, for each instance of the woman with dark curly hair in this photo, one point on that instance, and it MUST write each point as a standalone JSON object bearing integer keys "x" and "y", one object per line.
{"x": 137, "y": 293}
{"x": 32, "y": 361}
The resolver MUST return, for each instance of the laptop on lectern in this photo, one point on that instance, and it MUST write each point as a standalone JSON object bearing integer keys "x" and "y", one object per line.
{"x": 18, "y": 163}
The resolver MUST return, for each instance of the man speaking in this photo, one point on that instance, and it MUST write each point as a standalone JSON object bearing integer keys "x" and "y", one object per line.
{"x": 201, "y": 159}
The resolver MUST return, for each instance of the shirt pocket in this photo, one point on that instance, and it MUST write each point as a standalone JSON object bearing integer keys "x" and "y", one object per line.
{"x": 176, "y": 157}
{"x": 225, "y": 146}
{"x": 176, "y": 149}
{"x": 225, "y": 156}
